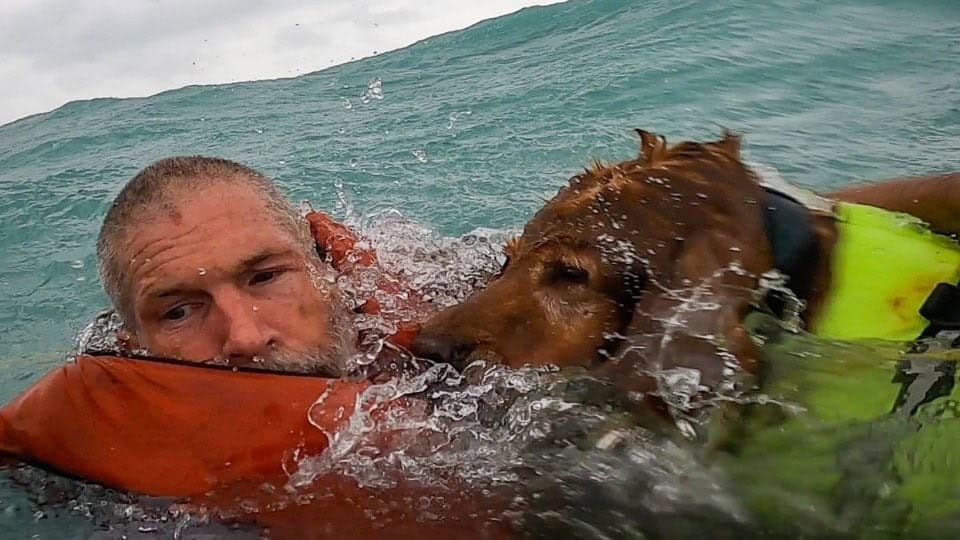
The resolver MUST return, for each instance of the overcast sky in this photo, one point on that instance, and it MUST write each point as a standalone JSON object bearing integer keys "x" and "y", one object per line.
{"x": 55, "y": 51}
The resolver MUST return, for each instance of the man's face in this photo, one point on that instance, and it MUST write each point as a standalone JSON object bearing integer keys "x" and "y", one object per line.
{"x": 215, "y": 277}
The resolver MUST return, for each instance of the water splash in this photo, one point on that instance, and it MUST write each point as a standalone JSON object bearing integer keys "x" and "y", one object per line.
{"x": 374, "y": 90}
{"x": 455, "y": 116}
{"x": 100, "y": 334}
{"x": 426, "y": 271}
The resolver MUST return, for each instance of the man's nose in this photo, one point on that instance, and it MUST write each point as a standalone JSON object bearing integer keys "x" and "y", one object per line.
{"x": 247, "y": 336}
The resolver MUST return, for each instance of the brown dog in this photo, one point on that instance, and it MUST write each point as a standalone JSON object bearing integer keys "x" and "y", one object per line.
{"x": 655, "y": 260}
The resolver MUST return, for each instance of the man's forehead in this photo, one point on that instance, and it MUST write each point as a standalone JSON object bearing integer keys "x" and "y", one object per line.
{"x": 207, "y": 205}
{"x": 197, "y": 202}
{"x": 217, "y": 225}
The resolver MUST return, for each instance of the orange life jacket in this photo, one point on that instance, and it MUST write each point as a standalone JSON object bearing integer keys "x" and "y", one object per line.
{"x": 216, "y": 437}
{"x": 164, "y": 428}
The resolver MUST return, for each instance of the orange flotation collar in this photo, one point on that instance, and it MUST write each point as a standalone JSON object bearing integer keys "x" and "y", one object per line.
{"x": 164, "y": 428}
{"x": 170, "y": 428}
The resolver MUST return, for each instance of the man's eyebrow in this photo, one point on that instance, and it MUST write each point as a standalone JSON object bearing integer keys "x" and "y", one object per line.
{"x": 175, "y": 290}
{"x": 266, "y": 255}
{"x": 164, "y": 291}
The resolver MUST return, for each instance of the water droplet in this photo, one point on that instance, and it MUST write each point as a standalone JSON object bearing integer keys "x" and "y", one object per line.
{"x": 374, "y": 90}
{"x": 454, "y": 116}
{"x": 347, "y": 104}
{"x": 305, "y": 207}
{"x": 202, "y": 271}
{"x": 256, "y": 308}
{"x": 353, "y": 163}
{"x": 421, "y": 155}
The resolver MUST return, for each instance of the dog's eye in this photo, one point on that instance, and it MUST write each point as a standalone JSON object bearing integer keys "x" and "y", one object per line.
{"x": 568, "y": 273}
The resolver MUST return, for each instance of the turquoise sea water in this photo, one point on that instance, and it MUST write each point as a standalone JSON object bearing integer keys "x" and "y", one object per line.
{"x": 473, "y": 128}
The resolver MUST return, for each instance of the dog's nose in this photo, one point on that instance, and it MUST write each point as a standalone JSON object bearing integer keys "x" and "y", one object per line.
{"x": 442, "y": 347}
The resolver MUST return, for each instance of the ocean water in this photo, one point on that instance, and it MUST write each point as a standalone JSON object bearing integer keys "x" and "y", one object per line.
{"x": 473, "y": 129}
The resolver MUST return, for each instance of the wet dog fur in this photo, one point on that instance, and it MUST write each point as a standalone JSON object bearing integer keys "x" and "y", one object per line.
{"x": 646, "y": 264}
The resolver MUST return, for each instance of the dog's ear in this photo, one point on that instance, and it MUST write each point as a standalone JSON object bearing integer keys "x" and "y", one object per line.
{"x": 652, "y": 146}
{"x": 730, "y": 143}
{"x": 705, "y": 317}
{"x": 513, "y": 247}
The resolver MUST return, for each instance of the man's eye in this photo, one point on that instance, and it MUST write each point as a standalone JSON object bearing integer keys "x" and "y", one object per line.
{"x": 265, "y": 276}
{"x": 177, "y": 314}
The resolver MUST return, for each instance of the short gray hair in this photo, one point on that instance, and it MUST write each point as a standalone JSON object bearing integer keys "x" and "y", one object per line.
{"x": 156, "y": 188}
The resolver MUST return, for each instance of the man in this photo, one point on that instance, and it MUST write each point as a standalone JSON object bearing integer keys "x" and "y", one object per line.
{"x": 206, "y": 261}
{"x": 222, "y": 294}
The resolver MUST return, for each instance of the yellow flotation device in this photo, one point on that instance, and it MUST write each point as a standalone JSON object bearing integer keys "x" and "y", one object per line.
{"x": 884, "y": 267}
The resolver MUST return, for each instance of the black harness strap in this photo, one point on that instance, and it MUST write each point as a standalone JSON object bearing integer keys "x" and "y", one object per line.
{"x": 942, "y": 309}
{"x": 794, "y": 243}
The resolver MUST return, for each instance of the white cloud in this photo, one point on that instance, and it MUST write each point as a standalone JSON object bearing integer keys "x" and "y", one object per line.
{"x": 55, "y": 51}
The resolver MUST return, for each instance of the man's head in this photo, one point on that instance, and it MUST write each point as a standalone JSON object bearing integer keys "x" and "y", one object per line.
{"x": 205, "y": 259}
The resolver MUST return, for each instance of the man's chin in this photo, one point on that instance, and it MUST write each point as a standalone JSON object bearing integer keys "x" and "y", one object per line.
{"x": 329, "y": 361}
{"x": 317, "y": 363}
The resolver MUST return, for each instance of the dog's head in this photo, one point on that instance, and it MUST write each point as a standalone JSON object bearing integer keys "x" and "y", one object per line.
{"x": 602, "y": 261}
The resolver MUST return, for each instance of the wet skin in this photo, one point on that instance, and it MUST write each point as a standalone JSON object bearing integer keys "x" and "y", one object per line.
{"x": 213, "y": 276}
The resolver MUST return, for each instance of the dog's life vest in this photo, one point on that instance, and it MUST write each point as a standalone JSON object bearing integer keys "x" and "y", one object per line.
{"x": 847, "y": 436}
{"x": 885, "y": 267}
{"x": 891, "y": 277}
{"x": 164, "y": 427}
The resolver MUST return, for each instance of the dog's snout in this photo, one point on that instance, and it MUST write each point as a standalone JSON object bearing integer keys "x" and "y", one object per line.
{"x": 442, "y": 347}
